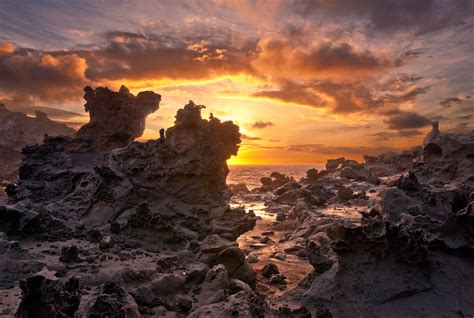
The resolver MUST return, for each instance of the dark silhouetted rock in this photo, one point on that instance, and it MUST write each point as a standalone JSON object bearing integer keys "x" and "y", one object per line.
{"x": 70, "y": 254}
{"x": 332, "y": 164}
{"x": 44, "y": 297}
{"x": 270, "y": 269}
{"x": 116, "y": 118}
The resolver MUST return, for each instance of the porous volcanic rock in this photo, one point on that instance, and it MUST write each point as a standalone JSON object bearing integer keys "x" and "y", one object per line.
{"x": 116, "y": 118}
{"x": 128, "y": 220}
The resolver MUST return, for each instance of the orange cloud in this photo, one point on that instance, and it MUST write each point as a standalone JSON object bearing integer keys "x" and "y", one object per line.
{"x": 7, "y": 48}
{"x": 278, "y": 59}
{"x": 30, "y": 77}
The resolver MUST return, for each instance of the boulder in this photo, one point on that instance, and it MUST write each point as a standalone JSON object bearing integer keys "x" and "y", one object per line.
{"x": 332, "y": 164}
{"x": 270, "y": 269}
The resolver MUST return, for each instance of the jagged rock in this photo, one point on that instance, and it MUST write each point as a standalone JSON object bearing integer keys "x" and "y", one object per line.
{"x": 247, "y": 274}
{"x": 278, "y": 279}
{"x": 109, "y": 128}
{"x": 469, "y": 207}
{"x": 167, "y": 284}
{"x": 140, "y": 182}
{"x": 332, "y": 164}
{"x": 344, "y": 193}
{"x": 109, "y": 301}
{"x": 358, "y": 172}
{"x": 46, "y": 297}
{"x": 292, "y": 185}
{"x": 232, "y": 258}
{"x": 408, "y": 182}
{"x": 273, "y": 182}
{"x": 396, "y": 202}
{"x": 215, "y": 244}
{"x": 70, "y": 254}
{"x": 236, "y": 286}
{"x": 238, "y": 188}
{"x": 163, "y": 204}
{"x": 280, "y": 218}
{"x": 252, "y": 258}
{"x": 270, "y": 269}
{"x": 241, "y": 304}
{"x": 312, "y": 174}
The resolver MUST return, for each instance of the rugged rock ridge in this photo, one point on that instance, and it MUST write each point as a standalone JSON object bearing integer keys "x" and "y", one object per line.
{"x": 389, "y": 237}
{"x": 143, "y": 221}
{"x": 182, "y": 174}
{"x": 18, "y": 130}
{"x": 442, "y": 158}
{"x": 116, "y": 118}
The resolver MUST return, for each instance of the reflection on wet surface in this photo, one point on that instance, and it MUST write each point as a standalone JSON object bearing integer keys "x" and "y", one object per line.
{"x": 293, "y": 267}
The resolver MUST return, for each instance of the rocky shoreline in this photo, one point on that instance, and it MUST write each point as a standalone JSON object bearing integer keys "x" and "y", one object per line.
{"x": 99, "y": 225}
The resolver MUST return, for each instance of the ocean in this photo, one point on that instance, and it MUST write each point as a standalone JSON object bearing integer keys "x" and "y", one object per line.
{"x": 251, "y": 174}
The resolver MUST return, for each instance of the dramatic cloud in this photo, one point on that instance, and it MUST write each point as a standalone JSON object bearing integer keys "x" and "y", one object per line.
{"x": 348, "y": 96}
{"x": 392, "y": 15}
{"x": 294, "y": 93}
{"x": 384, "y": 66}
{"x": 279, "y": 58}
{"x": 139, "y": 57}
{"x": 6, "y": 48}
{"x": 261, "y": 124}
{"x": 398, "y": 119}
{"x": 448, "y": 102}
{"x": 28, "y": 76}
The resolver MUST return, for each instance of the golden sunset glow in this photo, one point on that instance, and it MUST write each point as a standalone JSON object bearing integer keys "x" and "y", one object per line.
{"x": 300, "y": 90}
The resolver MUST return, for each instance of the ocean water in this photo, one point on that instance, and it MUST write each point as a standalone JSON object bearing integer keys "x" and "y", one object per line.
{"x": 251, "y": 174}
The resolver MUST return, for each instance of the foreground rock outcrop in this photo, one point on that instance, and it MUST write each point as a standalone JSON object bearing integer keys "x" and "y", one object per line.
{"x": 18, "y": 130}
{"x": 109, "y": 226}
{"x": 99, "y": 225}
{"x": 389, "y": 237}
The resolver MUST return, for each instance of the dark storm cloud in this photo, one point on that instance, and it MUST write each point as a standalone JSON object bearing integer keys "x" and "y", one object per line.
{"x": 390, "y": 15}
{"x": 280, "y": 58}
{"x": 136, "y": 56}
{"x": 448, "y": 102}
{"x": 399, "y": 119}
{"x": 28, "y": 75}
{"x": 261, "y": 124}
{"x": 348, "y": 96}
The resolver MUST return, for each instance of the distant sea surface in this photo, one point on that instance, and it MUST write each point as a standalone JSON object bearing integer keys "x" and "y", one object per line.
{"x": 251, "y": 174}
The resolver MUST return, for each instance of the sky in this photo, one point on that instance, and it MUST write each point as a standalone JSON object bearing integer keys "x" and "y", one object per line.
{"x": 306, "y": 80}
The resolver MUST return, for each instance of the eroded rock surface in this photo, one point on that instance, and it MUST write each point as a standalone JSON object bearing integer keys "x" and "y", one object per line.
{"x": 389, "y": 237}
{"x": 100, "y": 225}
{"x": 122, "y": 227}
